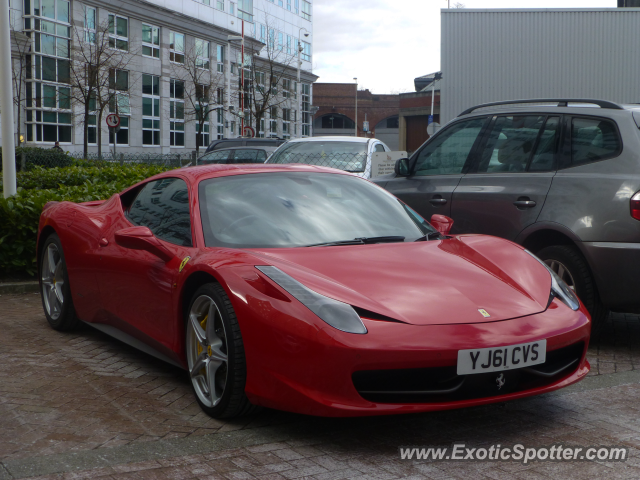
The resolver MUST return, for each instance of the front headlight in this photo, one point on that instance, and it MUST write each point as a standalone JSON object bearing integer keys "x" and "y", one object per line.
{"x": 337, "y": 314}
{"x": 559, "y": 289}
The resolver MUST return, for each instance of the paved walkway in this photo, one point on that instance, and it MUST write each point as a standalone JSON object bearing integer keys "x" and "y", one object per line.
{"x": 83, "y": 405}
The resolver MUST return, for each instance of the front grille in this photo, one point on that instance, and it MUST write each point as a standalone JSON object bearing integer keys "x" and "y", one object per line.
{"x": 443, "y": 384}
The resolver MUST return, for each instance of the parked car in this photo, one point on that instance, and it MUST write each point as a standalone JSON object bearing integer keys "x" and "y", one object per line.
{"x": 561, "y": 178}
{"x": 351, "y": 154}
{"x": 244, "y": 142}
{"x": 237, "y": 155}
{"x": 307, "y": 289}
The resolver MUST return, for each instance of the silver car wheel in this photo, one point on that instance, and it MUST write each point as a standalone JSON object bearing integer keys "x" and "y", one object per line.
{"x": 563, "y": 272}
{"x": 52, "y": 281}
{"x": 207, "y": 350}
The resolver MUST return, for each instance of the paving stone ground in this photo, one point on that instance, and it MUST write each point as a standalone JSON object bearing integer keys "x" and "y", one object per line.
{"x": 83, "y": 405}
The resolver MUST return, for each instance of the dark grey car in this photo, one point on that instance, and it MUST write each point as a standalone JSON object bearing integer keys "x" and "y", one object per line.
{"x": 561, "y": 179}
{"x": 237, "y": 155}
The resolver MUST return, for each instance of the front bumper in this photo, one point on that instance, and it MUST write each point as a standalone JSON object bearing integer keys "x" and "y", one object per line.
{"x": 614, "y": 266}
{"x": 304, "y": 366}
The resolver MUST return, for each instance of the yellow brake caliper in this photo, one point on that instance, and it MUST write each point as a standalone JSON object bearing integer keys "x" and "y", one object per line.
{"x": 203, "y": 324}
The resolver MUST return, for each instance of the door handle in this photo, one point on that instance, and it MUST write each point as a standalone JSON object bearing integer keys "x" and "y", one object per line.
{"x": 524, "y": 203}
{"x": 438, "y": 201}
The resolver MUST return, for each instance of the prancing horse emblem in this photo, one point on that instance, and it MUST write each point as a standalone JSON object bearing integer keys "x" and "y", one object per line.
{"x": 184, "y": 262}
{"x": 500, "y": 381}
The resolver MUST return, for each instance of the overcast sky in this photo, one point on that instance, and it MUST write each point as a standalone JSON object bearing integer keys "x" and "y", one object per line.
{"x": 387, "y": 43}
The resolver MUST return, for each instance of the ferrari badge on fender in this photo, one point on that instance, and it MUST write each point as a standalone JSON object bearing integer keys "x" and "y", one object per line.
{"x": 184, "y": 262}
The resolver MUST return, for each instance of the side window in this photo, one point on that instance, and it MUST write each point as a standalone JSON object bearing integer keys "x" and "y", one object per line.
{"x": 163, "y": 206}
{"x": 448, "y": 152}
{"x": 214, "y": 157}
{"x": 261, "y": 157}
{"x": 593, "y": 139}
{"x": 379, "y": 148}
{"x": 510, "y": 144}
{"x": 544, "y": 158}
{"x": 244, "y": 156}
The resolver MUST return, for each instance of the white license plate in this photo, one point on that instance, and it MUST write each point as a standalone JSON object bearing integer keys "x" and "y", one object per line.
{"x": 499, "y": 359}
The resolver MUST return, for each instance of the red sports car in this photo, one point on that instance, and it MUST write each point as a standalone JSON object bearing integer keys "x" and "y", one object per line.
{"x": 310, "y": 290}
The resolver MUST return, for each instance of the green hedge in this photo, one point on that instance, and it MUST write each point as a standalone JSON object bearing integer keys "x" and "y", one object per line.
{"x": 20, "y": 214}
{"x": 40, "y": 157}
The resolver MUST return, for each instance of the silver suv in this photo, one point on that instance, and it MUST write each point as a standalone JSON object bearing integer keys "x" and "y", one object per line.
{"x": 561, "y": 178}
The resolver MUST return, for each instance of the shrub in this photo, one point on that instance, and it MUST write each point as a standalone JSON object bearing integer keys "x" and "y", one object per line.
{"x": 48, "y": 178}
{"x": 20, "y": 214}
{"x": 43, "y": 157}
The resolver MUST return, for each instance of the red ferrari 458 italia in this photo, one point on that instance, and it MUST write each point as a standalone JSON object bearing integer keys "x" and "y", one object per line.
{"x": 310, "y": 290}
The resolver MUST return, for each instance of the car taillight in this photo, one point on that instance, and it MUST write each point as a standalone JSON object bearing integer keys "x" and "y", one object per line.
{"x": 635, "y": 206}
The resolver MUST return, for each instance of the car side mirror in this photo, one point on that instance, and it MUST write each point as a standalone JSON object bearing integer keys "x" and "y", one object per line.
{"x": 141, "y": 238}
{"x": 402, "y": 167}
{"x": 442, "y": 223}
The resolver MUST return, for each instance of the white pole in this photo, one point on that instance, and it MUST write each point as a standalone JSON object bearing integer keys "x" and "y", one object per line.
{"x": 227, "y": 75}
{"x": 433, "y": 96}
{"x": 6, "y": 103}
{"x": 299, "y": 90}
{"x": 356, "y": 106}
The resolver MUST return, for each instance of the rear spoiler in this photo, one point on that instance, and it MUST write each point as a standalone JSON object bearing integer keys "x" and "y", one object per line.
{"x": 93, "y": 203}
{"x": 49, "y": 204}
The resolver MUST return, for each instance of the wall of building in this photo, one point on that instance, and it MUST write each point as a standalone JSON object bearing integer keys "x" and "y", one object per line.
{"x": 340, "y": 98}
{"x": 493, "y": 55}
{"x": 194, "y": 19}
{"x": 415, "y": 108}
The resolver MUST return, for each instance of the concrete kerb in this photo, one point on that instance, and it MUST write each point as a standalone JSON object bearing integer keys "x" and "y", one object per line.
{"x": 19, "y": 287}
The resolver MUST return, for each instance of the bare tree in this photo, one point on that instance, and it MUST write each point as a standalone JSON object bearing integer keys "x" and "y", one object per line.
{"x": 269, "y": 82}
{"x": 21, "y": 55}
{"x": 203, "y": 87}
{"x": 99, "y": 76}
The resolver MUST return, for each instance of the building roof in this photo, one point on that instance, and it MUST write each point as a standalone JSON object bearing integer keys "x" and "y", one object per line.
{"x": 424, "y": 81}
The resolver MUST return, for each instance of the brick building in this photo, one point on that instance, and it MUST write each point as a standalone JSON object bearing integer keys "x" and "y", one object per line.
{"x": 398, "y": 120}
{"x": 415, "y": 108}
{"x": 336, "y": 114}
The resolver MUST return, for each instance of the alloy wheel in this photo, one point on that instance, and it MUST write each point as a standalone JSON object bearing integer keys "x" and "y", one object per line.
{"x": 207, "y": 354}
{"x": 562, "y": 271}
{"x": 52, "y": 274}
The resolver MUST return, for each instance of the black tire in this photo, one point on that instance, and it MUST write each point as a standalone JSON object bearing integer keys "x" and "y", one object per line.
{"x": 585, "y": 286}
{"x": 233, "y": 401}
{"x": 63, "y": 317}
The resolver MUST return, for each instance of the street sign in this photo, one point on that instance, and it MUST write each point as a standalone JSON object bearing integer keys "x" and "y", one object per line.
{"x": 112, "y": 120}
{"x": 383, "y": 163}
{"x": 430, "y": 121}
{"x": 433, "y": 128}
{"x": 365, "y": 126}
{"x": 249, "y": 132}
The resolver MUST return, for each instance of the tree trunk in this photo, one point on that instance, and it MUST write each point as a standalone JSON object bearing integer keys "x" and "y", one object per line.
{"x": 258, "y": 117}
{"x": 85, "y": 147}
{"x": 199, "y": 136}
{"x": 18, "y": 143}
{"x": 99, "y": 125}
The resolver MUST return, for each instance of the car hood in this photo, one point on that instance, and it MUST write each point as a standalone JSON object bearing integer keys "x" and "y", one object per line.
{"x": 423, "y": 283}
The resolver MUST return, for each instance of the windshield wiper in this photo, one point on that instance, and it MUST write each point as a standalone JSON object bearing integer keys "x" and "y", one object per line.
{"x": 360, "y": 241}
{"x": 430, "y": 236}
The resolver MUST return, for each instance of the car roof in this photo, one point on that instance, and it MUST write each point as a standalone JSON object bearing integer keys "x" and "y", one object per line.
{"x": 334, "y": 138}
{"x": 247, "y": 139}
{"x": 266, "y": 148}
{"x": 197, "y": 173}
{"x": 555, "y": 106}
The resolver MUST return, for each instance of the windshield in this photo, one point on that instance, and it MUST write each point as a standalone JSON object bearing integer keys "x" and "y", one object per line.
{"x": 295, "y": 209}
{"x": 348, "y": 156}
